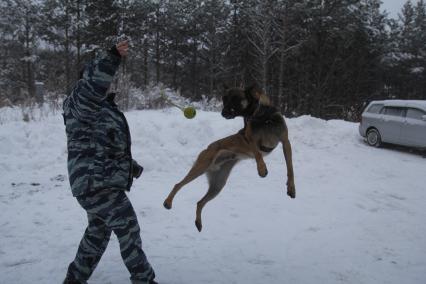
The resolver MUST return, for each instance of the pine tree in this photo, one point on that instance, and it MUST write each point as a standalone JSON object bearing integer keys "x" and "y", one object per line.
{"x": 103, "y": 23}
{"x": 57, "y": 30}
{"x": 9, "y": 54}
{"x": 20, "y": 26}
{"x": 261, "y": 38}
{"x": 419, "y": 45}
{"x": 405, "y": 71}
{"x": 212, "y": 44}
{"x": 138, "y": 28}
{"x": 237, "y": 57}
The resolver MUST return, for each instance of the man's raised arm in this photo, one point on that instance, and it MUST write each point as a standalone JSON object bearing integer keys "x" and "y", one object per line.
{"x": 95, "y": 81}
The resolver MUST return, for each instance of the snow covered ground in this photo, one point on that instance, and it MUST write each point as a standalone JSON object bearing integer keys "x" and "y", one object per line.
{"x": 359, "y": 215}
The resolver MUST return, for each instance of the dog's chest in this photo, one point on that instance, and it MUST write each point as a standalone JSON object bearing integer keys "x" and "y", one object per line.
{"x": 267, "y": 123}
{"x": 264, "y": 117}
{"x": 267, "y": 127}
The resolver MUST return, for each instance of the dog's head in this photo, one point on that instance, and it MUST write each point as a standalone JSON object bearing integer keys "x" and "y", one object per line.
{"x": 241, "y": 102}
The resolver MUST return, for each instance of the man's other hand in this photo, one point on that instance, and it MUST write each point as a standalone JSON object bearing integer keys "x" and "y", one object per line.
{"x": 136, "y": 169}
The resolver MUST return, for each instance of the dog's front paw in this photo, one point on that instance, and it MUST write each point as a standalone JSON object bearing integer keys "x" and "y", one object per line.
{"x": 291, "y": 189}
{"x": 198, "y": 225}
{"x": 167, "y": 204}
{"x": 263, "y": 172}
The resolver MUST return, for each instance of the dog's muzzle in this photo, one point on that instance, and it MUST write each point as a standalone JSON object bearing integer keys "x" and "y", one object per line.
{"x": 228, "y": 114}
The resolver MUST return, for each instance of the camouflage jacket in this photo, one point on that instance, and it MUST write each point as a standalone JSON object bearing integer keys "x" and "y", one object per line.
{"x": 98, "y": 137}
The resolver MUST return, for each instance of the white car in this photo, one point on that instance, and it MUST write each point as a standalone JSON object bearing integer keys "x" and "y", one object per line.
{"x": 401, "y": 122}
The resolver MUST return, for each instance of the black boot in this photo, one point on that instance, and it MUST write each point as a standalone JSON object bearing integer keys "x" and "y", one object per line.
{"x": 138, "y": 282}
{"x": 70, "y": 280}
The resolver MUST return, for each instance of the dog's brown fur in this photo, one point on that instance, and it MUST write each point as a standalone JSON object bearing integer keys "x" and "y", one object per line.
{"x": 264, "y": 128}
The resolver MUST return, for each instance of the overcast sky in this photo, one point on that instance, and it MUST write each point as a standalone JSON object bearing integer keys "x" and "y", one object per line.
{"x": 393, "y": 7}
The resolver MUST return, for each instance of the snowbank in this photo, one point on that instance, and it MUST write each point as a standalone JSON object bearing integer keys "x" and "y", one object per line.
{"x": 358, "y": 216}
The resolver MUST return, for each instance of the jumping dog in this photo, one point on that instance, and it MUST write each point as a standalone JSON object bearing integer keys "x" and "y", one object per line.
{"x": 264, "y": 128}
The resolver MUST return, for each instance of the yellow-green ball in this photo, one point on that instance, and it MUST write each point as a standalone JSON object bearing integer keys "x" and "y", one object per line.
{"x": 189, "y": 112}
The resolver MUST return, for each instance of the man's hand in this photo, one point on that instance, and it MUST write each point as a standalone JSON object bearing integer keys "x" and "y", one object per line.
{"x": 122, "y": 48}
{"x": 136, "y": 169}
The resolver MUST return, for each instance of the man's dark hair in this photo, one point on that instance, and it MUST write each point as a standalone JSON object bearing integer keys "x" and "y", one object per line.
{"x": 80, "y": 73}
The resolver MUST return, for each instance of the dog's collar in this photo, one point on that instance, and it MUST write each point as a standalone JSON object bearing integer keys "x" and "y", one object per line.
{"x": 253, "y": 115}
{"x": 256, "y": 109}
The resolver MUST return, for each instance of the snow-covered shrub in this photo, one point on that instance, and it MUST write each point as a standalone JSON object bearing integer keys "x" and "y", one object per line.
{"x": 157, "y": 97}
{"x": 31, "y": 110}
{"x": 128, "y": 98}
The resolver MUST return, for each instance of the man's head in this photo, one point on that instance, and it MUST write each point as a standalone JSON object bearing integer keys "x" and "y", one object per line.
{"x": 81, "y": 72}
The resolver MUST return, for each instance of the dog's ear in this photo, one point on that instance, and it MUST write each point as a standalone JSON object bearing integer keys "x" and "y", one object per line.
{"x": 253, "y": 92}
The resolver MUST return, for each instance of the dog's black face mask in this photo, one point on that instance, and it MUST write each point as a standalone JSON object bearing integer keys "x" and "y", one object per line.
{"x": 234, "y": 103}
{"x": 240, "y": 102}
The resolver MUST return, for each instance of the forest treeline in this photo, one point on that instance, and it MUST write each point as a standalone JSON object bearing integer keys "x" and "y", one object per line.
{"x": 309, "y": 56}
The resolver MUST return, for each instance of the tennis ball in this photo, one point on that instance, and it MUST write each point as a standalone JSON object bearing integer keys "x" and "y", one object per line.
{"x": 189, "y": 112}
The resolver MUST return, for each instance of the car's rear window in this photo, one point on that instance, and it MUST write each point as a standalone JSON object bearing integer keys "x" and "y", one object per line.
{"x": 415, "y": 113}
{"x": 393, "y": 111}
{"x": 375, "y": 108}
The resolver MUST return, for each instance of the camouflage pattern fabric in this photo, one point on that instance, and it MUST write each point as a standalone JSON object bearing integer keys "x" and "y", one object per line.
{"x": 98, "y": 137}
{"x": 110, "y": 211}
{"x": 101, "y": 168}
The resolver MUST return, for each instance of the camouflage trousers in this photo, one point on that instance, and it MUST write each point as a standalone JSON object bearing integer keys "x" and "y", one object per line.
{"x": 107, "y": 212}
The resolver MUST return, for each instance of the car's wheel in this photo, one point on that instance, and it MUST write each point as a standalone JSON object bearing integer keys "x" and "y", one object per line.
{"x": 373, "y": 137}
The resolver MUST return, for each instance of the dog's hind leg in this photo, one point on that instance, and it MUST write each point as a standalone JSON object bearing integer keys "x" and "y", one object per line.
{"x": 234, "y": 143}
{"x": 217, "y": 180}
{"x": 203, "y": 162}
{"x": 291, "y": 189}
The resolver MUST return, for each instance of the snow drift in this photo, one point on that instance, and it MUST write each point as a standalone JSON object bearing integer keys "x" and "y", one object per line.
{"x": 358, "y": 216}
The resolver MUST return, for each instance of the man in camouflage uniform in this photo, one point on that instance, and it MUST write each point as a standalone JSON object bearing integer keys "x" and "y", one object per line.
{"x": 101, "y": 169}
